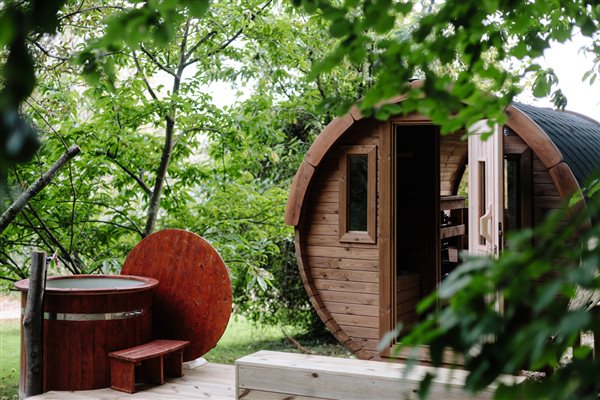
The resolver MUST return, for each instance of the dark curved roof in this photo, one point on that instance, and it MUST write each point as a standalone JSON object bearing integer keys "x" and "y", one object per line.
{"x": 575, "y": 136}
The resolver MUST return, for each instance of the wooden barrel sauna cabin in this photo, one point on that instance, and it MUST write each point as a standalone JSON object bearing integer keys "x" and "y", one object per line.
{"x": 380, "y": 207}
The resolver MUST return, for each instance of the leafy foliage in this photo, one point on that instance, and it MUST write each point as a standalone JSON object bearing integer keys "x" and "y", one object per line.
{"x": 227, "y": 171}
{"x": 545, "y": 308}
{"x": 477, "y": 38}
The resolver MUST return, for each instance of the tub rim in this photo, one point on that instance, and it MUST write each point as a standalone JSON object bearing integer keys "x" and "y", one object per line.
{"x": 147, "y": 283}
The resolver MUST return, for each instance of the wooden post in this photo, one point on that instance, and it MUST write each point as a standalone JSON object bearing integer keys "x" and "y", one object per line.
{"x": 32, "y": 324}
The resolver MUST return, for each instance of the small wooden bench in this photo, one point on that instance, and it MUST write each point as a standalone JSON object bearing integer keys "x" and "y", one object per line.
{"x": 159, "y": 357}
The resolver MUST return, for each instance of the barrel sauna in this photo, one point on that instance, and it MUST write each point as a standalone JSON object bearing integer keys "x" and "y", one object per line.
{"x": 382, "y": 209}
{"x": 85, "y": 318}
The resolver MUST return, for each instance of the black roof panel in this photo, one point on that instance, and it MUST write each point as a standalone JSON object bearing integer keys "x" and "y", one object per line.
{"x": 576, "y": 137}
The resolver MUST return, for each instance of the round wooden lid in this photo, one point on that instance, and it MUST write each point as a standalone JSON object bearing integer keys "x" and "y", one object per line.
{"x": 193, "y": 298}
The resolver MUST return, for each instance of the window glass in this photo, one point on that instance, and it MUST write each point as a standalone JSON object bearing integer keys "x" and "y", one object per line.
{"x": 358, "y": 178}
{"x": 512, "y": 190}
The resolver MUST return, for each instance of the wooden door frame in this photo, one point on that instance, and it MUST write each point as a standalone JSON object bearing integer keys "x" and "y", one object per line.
{"x": 387, "y": 216}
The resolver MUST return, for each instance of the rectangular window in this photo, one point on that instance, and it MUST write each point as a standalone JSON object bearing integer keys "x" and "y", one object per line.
{"x": 358, "y": 205}
{"x": 512, "y": 192}
{"x": 358, "y": 193}
{"x": 482, "y": 196}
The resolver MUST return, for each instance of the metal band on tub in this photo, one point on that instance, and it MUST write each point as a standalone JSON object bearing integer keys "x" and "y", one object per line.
{"x": 57, "y": 316}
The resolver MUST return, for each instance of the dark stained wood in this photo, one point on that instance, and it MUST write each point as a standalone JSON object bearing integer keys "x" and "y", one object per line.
{"x": 153, "y": 349}
{"x": 193, "y": 299}
{"x": 173, "y": 364}
{"x": 151, "y": 358}
{"x": 76, "y": 351}
{"x": 123, "y": 373}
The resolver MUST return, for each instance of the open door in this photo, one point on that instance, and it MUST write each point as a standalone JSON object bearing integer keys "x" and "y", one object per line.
{"x": 486, "y": 183}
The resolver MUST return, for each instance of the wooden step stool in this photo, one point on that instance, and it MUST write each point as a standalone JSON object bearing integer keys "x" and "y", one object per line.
{"x": 158, "y": 357}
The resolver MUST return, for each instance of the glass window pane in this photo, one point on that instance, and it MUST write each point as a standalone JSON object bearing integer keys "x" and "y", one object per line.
{"x": 358, "y": 166}
{"x": 512, "y": 206}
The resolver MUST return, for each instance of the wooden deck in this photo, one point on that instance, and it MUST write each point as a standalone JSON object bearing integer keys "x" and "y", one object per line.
{"x": 210, "y": 381}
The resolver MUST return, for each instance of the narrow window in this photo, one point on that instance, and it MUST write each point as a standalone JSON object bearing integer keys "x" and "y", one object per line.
{"x": 358, "y": 199}
{"x": 482, "y": 196}
{"x": 512, "y": 192}
{"x": 358, "y": 175}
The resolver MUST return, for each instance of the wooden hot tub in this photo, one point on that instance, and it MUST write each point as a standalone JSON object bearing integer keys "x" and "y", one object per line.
{"x": 85, "y": 318}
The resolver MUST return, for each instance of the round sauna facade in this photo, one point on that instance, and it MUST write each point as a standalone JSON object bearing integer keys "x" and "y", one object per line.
{"x": 382, "y": 209}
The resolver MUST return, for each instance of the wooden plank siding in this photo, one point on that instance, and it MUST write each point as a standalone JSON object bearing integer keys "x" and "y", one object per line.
{"x": 545, "y": 194}
{"x": 344, "y": 275}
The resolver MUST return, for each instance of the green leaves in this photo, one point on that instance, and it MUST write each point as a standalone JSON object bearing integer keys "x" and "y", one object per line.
{"x": 197, "y": 7}
{"x": 537, "y": 325}
{"x": 543, "y": 82}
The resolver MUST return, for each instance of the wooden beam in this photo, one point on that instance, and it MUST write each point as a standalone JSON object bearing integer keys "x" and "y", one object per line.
{"x": 298, "y": 192}
{"x": 332, "y": 132}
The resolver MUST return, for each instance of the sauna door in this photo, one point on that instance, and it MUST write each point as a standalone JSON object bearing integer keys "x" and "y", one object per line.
{"x": 486, "y": 204}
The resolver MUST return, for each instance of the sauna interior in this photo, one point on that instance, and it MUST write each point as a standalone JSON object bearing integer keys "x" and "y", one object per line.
{"x": 429, "y": 212}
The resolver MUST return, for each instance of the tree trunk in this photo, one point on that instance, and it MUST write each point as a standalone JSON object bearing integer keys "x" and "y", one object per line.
{"x": 32, "y": 325}
{"x": 15, "y": 208}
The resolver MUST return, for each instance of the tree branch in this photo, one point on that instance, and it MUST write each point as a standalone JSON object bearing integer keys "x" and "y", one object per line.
{"x": 47, "y": 52}
{"x": 11, "y": 213}
{"x": 227, "y": 42}
{"x": 65, "y": 256}
{"x": 133, "y": 176}
{"x": 199, "y": 43}
{"x": 139, "y": 68}
{"x": 84, "y": 10}
{"x": 156, "y": 62}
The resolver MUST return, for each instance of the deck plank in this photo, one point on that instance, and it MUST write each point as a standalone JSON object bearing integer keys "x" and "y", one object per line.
{"x": 209, "y": 381}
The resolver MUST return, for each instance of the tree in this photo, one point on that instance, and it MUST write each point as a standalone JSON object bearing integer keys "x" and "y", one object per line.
{"x": 480, "y": 38}
{"x": 227, "y": 170}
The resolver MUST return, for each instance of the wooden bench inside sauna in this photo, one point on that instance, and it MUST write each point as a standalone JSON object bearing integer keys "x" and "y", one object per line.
{"x": 383, "y": 209}
{"x": 171, "y": 304}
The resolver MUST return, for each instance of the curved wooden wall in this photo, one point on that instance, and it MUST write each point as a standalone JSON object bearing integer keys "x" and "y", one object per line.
{"x": 343, "y": 279}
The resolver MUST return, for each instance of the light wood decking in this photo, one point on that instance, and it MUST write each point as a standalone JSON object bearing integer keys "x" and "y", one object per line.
{"x": 210, "y": 381}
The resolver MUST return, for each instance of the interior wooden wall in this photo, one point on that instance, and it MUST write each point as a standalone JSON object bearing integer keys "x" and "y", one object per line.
{"x": 453, "y": 158}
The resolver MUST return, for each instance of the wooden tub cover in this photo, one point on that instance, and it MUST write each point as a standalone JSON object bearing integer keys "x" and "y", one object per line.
{"x": 193, "y": 298}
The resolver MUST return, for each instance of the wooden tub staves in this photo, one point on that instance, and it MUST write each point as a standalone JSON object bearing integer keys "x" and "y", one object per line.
{"x": 85, "y": 318}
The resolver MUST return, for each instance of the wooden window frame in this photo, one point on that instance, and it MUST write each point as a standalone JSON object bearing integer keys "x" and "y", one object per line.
{"x": 370, "y": 235}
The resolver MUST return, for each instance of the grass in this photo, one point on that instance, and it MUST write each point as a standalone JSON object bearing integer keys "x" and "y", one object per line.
{"x": 241, "y": 338}
{"x": 9, "y": 358}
